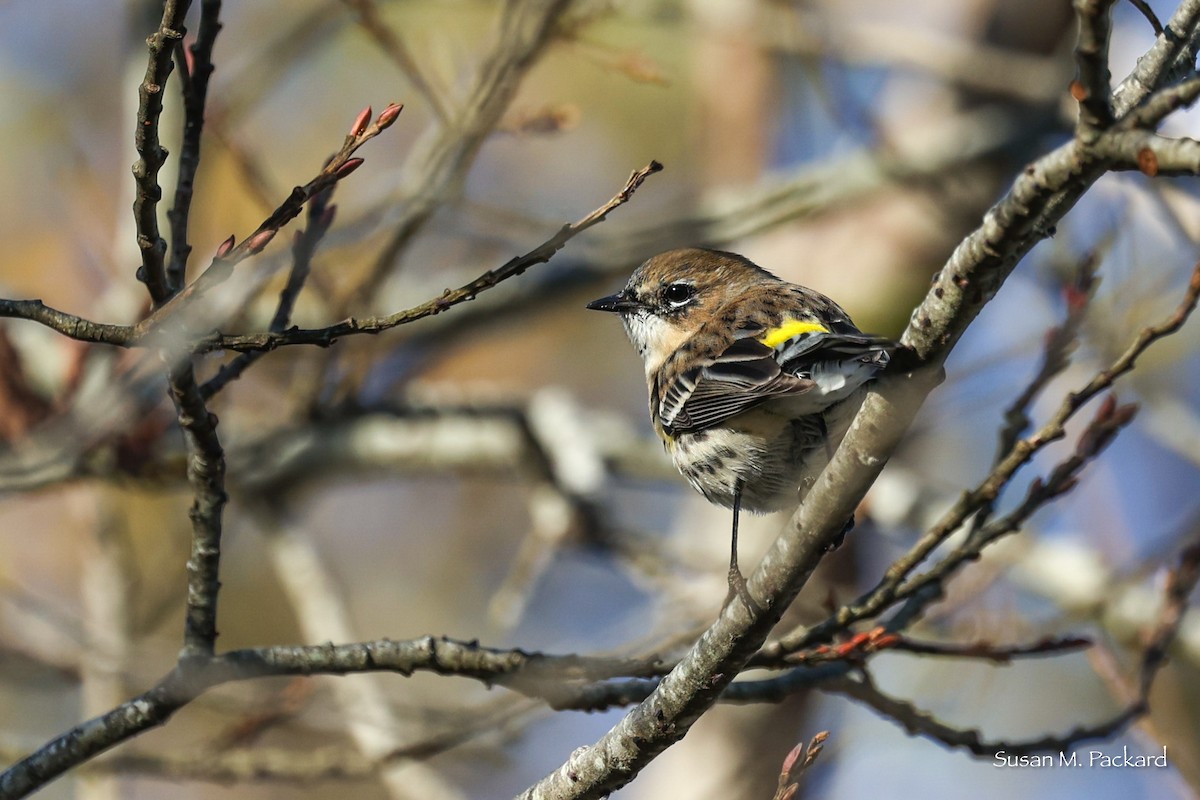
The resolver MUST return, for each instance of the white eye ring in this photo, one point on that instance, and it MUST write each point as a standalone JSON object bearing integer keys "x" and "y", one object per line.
{"x": 678, "y": 295}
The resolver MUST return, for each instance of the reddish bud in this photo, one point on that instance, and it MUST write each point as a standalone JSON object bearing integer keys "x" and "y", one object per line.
{"x": 361, "y": 121}
{"x": 388, "y": 115}
{"x": 225, "y": 246}
{"x": 260, "y": 240}
{"x": 792, "y": 758}
{"x": 350, "y": 165}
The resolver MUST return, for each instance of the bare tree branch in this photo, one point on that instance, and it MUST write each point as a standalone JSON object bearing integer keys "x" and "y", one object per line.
{"x": 151, "y": 154}
{"x": 986, "y": 651}
{"x": 206, "y": 475}
{"x": 1060, "y": 343}
{"x": 451, "y": 297}
{"x": 198, "y": 67}
{"x": 1182, "y": 581}
{"x": 1172, "y": 58}
{"x": 229, "y": 254}
{"x": 529, "y": 673}
{"x": 320, "y": 218}
{"x": 69, "y": 325}
{"x": 1148, "y": 13}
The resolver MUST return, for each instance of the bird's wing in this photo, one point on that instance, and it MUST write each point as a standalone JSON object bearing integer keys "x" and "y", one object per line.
{"x": 744, "y": 375}
{"x": 843, "y": 342}
{"x": 749, "y": 372}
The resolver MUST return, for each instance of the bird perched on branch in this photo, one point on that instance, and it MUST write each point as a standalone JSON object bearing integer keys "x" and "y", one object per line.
{"x": 753, "y": 380}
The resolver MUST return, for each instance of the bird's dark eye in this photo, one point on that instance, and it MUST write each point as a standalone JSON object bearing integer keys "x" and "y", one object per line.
{"x": 677, "y": 294}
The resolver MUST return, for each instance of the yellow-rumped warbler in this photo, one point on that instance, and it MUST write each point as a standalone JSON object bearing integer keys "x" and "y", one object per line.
{"x": 753, "y": 380}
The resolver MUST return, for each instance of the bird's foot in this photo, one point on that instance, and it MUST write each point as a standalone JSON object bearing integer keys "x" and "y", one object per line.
{"x": 738, "y": 589}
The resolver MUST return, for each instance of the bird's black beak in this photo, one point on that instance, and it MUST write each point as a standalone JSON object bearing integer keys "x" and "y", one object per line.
{"x": 617, "y": 303}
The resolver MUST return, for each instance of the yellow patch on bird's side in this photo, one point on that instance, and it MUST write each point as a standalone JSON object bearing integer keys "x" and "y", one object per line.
{"x": 666, "y": 439}
{"x": 789, "y": 329}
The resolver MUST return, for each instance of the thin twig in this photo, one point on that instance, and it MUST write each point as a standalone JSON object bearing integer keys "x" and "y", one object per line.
{"x": 986, "y": 651}
{"x": 1109, "y": 419}
{"x": 151, "y": 154}
{"x": 339, "y": 166}
{"x": 1180, "y": 584}
{"x": 133, "y": 335}
{"x": 304, "y": 246}
{"x": 1148, "y": 13}
{"x": 916, "y": 721}
{"x": 324, "y": 337}
{"x": 857, "y": 648}
{"x": 199, "y": 67}
{"x": 1060, "y": 343}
